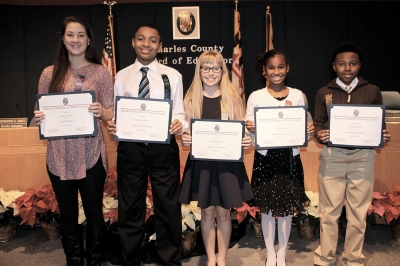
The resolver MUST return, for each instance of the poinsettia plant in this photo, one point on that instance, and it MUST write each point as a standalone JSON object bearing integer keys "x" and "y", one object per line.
{"x": 311, "y": 210}
{"x": 242, "y": 211}
{"x": 7, "y": 199}
{"x": 8, "y": 208}
{"x": 110, "y": 187}
{"x": 110, "y": 196}
{"x": 191, "y": 217}
{"x": 386, "y": 204}
{"x": 37, "y": 203}
{"x": 110, "y": 209}
{"x": 149, "y": 201}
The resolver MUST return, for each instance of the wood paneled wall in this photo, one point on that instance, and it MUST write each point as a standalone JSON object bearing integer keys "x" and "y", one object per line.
{"x": 23, "y": 160}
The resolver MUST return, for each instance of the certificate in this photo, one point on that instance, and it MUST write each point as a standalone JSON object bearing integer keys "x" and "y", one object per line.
{"x": 143, "y": 119}
{"x": 217, "y": 140}
{"x": 67, "y": 115}
{"x": 280, "y": 127}
{"x": 356, "y": 126}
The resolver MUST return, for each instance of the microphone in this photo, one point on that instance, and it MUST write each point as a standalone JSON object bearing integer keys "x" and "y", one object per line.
{"x": 17, "y": 108}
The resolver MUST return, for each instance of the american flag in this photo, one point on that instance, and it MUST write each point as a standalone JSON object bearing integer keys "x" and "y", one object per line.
{"x": 108, "y": 51}
{"x": 237, "y": 65}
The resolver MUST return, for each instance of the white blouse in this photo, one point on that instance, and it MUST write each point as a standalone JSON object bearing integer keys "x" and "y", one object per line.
{"x": 262, "y": 98}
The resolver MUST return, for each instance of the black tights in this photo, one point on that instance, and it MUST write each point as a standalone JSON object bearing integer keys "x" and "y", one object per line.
{"x": 91, "y": 189}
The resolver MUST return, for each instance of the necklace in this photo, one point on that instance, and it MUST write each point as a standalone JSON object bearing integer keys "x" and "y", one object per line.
{"x": 278, "y": 94}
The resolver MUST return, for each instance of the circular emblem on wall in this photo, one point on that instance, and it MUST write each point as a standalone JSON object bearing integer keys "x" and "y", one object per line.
{"x": 356, "y": 113}
{"x": 217, "y": 128}
{"x": 185, "y": 22}
{"x": 143, "y": 106}
{"x": 65, "y": 101}
{"x": 280, "y": 114}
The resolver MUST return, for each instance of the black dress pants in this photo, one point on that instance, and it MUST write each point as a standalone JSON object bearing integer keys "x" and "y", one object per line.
{"x": 91, "y": 189}
{"x": 135, "y": 162}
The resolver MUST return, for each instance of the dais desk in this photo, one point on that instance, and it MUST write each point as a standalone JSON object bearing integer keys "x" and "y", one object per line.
{"x": 23, "y": 159}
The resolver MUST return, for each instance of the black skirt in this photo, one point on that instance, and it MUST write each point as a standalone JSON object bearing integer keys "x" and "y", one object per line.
{"x": 273, "y": 186}
{"x": 215, "y": 183}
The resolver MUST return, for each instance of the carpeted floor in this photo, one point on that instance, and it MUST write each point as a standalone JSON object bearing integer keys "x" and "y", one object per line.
{"x": 30, "y": 247}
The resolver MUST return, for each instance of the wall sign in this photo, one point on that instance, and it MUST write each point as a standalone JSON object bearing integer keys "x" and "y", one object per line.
{"x": 186, "y": 22}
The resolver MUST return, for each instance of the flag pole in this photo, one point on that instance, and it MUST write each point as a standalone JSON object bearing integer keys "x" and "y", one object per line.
{"x": 268, "y": 34}
{"x": 236, "y": 2}
{"x": 110, "y": 20}
{"x": 268, "y": 30}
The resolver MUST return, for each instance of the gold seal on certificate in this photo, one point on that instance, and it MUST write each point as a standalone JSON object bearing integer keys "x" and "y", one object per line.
{"x": 67, "y": 115}
{"x": 217, "y": 140}
{"x": 280, "y": 127}
{"x": 356, "y": 125}
{"x": 143, "y": 119}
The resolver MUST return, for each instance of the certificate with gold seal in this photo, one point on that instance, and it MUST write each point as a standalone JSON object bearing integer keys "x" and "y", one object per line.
{"x": 143, "y": 119}
{"x": 217, "y": 140}
{"x": 356, "y": 125}
{"x": 67, "y": 115}
{"x": 280, "y": 127}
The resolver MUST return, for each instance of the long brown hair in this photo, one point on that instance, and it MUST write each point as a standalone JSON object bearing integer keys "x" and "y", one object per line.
{"x": 61, "y": 61}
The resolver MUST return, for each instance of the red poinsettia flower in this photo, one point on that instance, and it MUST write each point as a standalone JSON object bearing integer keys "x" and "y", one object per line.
{"x": 35, "y": 203}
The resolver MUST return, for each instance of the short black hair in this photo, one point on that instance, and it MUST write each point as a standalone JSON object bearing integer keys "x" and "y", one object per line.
{"x": 149, "y": 25}
{"x": 347, "y": 47}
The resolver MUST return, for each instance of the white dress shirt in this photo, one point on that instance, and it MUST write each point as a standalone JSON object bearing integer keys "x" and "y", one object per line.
{"x": 353, "y": 84}
{"x": 127, "y": 84}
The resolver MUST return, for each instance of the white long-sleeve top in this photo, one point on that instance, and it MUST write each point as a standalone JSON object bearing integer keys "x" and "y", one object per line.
{"x": 262, "y": 98}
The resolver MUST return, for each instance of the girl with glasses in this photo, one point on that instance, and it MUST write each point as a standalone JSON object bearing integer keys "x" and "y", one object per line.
{"x": 216, "y": 185}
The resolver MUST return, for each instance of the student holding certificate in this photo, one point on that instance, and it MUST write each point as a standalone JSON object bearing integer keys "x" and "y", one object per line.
{"x": 345, "y": 173}
{"x": 216, "y": 185}
{"x": 136, "y": 161}
{"x": 79, "y": 163}
{"x": 278, "y": 179}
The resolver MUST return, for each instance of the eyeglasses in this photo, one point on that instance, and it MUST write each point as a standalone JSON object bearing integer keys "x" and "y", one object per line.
{"x": 214, "y": 69}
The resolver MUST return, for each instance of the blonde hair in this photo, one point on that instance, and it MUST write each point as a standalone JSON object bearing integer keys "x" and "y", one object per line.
{"x": 230, "y": 98}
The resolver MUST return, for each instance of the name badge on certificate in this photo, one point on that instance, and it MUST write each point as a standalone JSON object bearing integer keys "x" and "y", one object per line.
{"x": 356, "y": 125}
{"x": 67, "y": 115}
{"x": 280, "y": 127}
{"x": 143, "y": 119}
{"x": 217, "y": 140}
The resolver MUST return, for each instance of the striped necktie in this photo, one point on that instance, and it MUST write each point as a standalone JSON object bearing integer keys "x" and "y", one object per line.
{"x": 144, "y": 87}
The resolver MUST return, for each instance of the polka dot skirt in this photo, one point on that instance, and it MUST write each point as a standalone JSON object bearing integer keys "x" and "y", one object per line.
{"x": 273, "y": 187}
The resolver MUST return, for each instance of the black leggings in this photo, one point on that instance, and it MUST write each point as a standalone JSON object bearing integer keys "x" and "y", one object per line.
{"x": 91, "y": 189}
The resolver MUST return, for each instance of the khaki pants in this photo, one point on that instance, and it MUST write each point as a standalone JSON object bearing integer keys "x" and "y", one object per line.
{"x": 344, "y": 175}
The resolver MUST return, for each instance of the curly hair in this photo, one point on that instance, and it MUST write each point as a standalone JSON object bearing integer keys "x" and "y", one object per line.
{"x": 346, "y": 47}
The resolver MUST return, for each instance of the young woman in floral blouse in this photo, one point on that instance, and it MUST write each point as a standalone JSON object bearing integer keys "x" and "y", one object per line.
{"x": 79, "y": 163}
